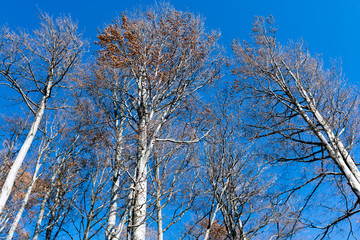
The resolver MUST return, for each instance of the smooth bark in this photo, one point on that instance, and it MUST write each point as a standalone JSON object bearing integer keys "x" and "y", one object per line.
{"x": 25, "y": 200}
{"x": 10, "y": 179}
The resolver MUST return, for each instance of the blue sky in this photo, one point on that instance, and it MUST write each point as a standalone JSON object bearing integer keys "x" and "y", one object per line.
{"x": 330, "y": 27}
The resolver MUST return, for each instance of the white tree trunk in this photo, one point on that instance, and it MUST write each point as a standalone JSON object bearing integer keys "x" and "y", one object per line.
{"x": 89, "y": 219}
{"x": 139, "y": 208}
{"x": 212, "y": 219}
{"x": 25, "y": 201}
{"x": 40, "y": 217}
{"x": 160, "y": 231}
{"x": 43, "y": 203}
{"x": 334, "y": 146}
{"x": 121, "y": 224}
{"x": 111, "y": 230}
{"x": 10, "y": 179}
{"x": 139, "y": 213}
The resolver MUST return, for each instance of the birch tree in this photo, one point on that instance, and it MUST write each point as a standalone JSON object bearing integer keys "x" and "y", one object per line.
{"x": 171, "y": 195}
{"x": 106, "y": 88}
{"x": 235, "y": 202}
{"x": 168, "y": 57}
{"x": 64, "y": 183}
{"x": 12, "y": 130}
{"x": 42, "y": 151}
{"x": 309, "y": 111}
{"x": 34, "y": 65}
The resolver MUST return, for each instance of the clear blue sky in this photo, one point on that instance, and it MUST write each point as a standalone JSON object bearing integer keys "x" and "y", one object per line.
{"x": 330, "y": 27}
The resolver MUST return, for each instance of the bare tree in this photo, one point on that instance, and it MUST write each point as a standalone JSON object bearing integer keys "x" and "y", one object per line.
{"x": 13, "y": 129}
{"x": 106, "y": 88}
{"x": 235, "y": 201}
{"x": 34, "y": 65}
{"x": 170, "y": 167}
{"x": 65, "y": 171}
{"x": 42, "y": 152}
{"x": 168, "y": 57}
{"x": 309, "y": 111}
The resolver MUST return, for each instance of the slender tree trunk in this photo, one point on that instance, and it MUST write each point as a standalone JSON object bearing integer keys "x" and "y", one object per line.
{"x": 41, "y": 216}
{"x": 212, "y": 219}
{"x": 3, "y": 223}
{"x": 121, "y": 225}
{"x": 131, "y": 211}
{"x": 111, "y": 227}
{"x": 25, "y": 201}
{"x": 160, "y": 231}
{"x": 335, "y": 143}
{"x": 88, "y": 224}
{"x": 111, "y": 230}
{"x": 126, "y": 217}
{"x": 43, "y": 203}
{"x": 335, "y": 148}
{"x": 10, "y": 179}
{"x": 52, "y": 217}
{"x": 90, "y": 216}
{"x": 241, "y": 230}
{"x": 139, "y": 210}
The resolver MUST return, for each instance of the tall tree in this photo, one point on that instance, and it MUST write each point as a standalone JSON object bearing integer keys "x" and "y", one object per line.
{"x": 170, "y": 167}
{"x": 235, "y": 202}
{"x": 106, "y": 88}
{"x": 168, "y": 57}
{"x": 64, "y": 174}
{"x": 34, "y": 65}
{"x": 308, "y": 109}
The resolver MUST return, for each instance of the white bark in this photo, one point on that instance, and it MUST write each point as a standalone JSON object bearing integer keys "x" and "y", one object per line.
{"x": 211, "y": 221}
{"x": 142, "y": 156}
{"x": 10, "y": 179}
{"x": 338, "y": 148}
{"x": 3, "y": 222}
{"x": 334, "y": 146}
{"x": 111, "y": 230}
{"x": 52, "y": 51}
{"x": 144, "y": 148}
{"x": 160, "y": 231}
{"x": 121, "y": 224}
{"x": 25, "y": 201}
{"x": 111, "y": 227}
{"x": 43, "y": 203}
{"x": 139, "y": 214}
{"x": 139, "y": 208}
{"x": 241, "y": 227}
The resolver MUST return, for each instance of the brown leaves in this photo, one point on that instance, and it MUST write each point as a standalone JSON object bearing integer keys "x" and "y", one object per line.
{"x": 159, "y": 45}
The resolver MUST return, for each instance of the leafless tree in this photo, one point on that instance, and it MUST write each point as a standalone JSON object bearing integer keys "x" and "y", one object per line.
{"x": 65, "y": 173}
{"x": 34, "y": 65}
{"x": 171, "y": 164}
{"x": 106, "y": 88}
{"x": 310, "y": 114}
{"x": 236, "y": 201}
{"x": 43, "y": 151}
{"x": 12, "y": 131}
{"x": 168, "y": 57}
